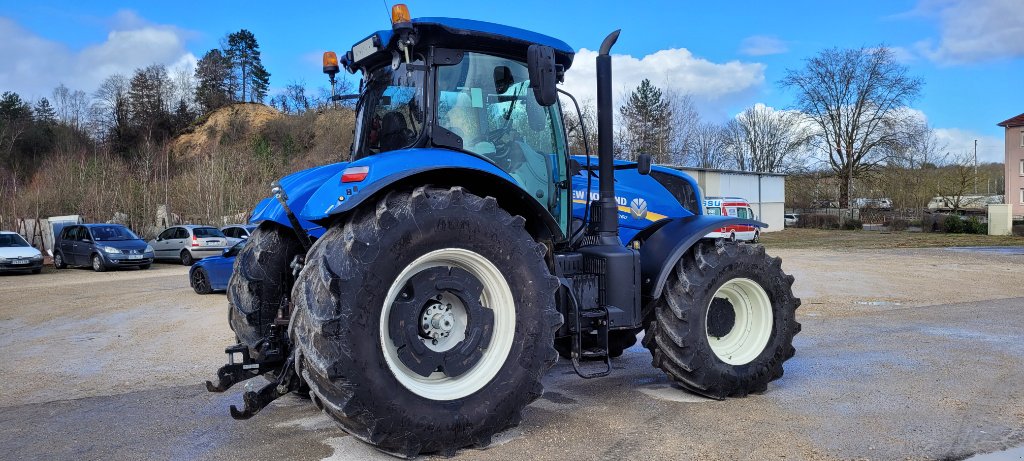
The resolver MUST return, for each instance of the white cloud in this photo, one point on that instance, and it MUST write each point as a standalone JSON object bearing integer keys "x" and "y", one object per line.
{"x": 959, "y": 141}
{"x": 712, "y": 85}
{"x": 762, "y": 45}
{"x": 974, "y": 30}
{"x": 33, "y": 66}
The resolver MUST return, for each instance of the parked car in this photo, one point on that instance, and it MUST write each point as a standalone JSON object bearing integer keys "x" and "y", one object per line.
{"x": 101, "y": 246}
{"x": 16, "y": 255}
{"x": 212, "y": 274}
{"x": 189, "y": 243}
{"x": 237, "y": 232}
{"x": 791, "y": 219}
{"x": 736, "y": 207}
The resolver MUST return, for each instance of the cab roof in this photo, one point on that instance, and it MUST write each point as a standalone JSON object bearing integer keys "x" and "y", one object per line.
{"x": 475, "y": 35}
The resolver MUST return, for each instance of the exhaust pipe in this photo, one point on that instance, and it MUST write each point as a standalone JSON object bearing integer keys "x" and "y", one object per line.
{"x": 606, "y": 213}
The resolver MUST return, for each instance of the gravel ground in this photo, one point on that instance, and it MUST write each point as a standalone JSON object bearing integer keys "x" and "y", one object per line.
{"x": 905, "y": 354}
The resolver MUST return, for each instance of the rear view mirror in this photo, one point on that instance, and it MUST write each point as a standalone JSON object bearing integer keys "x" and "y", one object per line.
{"x": 643, "y": 164}
{"x": 543, "y": 75}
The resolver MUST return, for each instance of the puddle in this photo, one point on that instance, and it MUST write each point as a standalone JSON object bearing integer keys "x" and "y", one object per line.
{"x": 997, "y": 250}
{"x": 310, "y": 423}
{"x": 672, "y": 394}
{"x": 1013, "y": 454}
{"x": 878, "y": 303}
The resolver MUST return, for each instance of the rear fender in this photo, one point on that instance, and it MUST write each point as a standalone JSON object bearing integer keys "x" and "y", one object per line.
{"x": 414, "y": 167}
{"x": 664, "y": 247}
{"x": 299, "y": 187}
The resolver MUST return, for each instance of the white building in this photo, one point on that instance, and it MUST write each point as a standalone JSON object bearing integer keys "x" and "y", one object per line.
{"x": 766, "y": 192}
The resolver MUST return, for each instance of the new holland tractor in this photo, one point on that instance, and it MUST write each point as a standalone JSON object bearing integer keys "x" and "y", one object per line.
{"x": 419, "y": 291}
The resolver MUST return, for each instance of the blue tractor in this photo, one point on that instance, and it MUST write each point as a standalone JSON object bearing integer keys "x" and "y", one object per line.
{"x": 419, "y": 291}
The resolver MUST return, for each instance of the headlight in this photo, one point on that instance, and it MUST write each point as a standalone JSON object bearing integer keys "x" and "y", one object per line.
{"x": 111, "y": 250}
{"x": 149, "y": 248}
{"x": 37, "y": 257}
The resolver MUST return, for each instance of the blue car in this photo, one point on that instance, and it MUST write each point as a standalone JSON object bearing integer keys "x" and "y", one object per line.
{"x": 100, "y": 246}
{"x": 212, "y": 273}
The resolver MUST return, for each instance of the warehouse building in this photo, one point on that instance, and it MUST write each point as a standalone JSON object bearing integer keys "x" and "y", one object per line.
{"x": 766, "y": 192}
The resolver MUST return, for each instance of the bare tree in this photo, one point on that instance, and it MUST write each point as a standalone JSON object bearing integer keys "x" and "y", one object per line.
{"x": 856, "y": 99}
{"x": 706, "y": 147}
{"x": 957, "y": 180}
{"x": 578, "y": 125}
{"x": 766, "y": 140}
{"x": 683, "y": 122}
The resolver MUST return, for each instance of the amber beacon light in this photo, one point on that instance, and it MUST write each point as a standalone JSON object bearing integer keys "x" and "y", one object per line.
{"x": 330, "y": 63}
{"x": 400, "y": 13}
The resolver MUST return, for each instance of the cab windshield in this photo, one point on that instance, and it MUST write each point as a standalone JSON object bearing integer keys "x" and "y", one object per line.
{"x": 390, "y": 111}
{"x": 487, "y": 102}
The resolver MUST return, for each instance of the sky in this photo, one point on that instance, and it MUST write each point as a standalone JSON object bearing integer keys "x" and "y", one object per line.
{"x": 727, "y": 54}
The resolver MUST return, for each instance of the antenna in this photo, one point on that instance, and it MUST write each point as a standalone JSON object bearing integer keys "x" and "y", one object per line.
{"x": 387, "y": 9}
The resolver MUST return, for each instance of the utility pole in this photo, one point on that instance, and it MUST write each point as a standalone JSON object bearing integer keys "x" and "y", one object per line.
{"x": 975, "y": 167}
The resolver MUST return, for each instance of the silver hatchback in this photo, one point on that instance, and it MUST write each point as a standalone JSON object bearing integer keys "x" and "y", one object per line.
{"x": 189, "y": 243}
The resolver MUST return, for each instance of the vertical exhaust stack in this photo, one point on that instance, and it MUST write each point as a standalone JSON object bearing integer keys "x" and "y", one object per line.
{"x": 607, "y": 210}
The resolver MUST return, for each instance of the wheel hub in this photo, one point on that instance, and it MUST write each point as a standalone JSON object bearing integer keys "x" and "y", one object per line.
{"x": 438, "y": 324}
{"x": 721, "y": 317}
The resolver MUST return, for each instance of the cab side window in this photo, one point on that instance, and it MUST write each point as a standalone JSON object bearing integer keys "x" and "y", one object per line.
{"x": 167, "y": 234}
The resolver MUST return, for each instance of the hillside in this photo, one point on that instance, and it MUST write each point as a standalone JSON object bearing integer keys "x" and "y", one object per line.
{"x": 229, "y": 121}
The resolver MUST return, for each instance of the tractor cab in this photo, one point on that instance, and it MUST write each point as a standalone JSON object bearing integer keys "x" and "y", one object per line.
{"x": 463, "y": 86}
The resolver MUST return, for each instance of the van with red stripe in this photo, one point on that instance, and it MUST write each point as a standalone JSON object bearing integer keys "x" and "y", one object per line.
{"x": 736, "y": 207}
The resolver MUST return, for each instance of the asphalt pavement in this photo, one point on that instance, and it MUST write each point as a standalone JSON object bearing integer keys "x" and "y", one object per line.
{"x": 936, "y": 382}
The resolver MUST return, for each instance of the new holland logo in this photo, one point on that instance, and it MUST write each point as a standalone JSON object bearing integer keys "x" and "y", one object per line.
{"x": 638, "y": 208}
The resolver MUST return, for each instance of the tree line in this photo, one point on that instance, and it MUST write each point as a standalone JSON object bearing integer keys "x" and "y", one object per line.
{"x": 851, "y": 119}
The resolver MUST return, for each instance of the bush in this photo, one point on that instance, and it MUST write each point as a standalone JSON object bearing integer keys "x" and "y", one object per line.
{"x": 853, "y": 224}
{"x": 899, "y": 224}
{"x": 818, "y": 221}
{"x": 973, "y": 226}
{"x": 953, "y": 224}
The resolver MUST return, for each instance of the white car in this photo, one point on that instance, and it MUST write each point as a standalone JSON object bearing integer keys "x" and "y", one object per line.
{"x": 791, "y": 219}
{"x": 17, "y": 255}
{"x": 238, "y": 232}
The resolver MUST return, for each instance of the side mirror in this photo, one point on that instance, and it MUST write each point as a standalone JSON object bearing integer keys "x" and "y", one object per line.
{"x": 244, "y": 237}
{"x": 540, "y": 61}
{"x": 643, "y": 164}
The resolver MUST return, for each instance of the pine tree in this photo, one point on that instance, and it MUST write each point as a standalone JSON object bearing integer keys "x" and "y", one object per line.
{"x": 647, "y": 121}
{"x": 214, "y": 90}
{"x": 44, "y": 112}
{"x": 244, "y": 53}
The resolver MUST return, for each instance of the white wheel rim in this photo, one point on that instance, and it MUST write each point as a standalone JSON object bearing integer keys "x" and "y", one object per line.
{"x": 753, "y": 322}
{"x": 496, "y": 295}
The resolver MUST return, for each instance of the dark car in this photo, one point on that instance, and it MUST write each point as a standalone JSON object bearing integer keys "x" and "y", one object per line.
{"x": 17, "y": 255}
{"x": 102, "y": 246}
{"x": 212, "y": 273}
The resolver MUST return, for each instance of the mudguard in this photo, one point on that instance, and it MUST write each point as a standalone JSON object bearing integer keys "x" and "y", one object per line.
{"x": 299, "y": 187}
{"x": 334, "y": 197}
{"x": 663, "y": 249}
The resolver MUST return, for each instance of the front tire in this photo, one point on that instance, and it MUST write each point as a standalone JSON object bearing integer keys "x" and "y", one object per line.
{"x": 725, "y": 322}
{"x": 97, "y": 263}
{"x": 259, "y": 281}
{"x": 424, "y": 323}
{"x": 200, "y": 281}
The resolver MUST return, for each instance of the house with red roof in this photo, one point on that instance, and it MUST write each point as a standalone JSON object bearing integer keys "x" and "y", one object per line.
{"x": 1015, "y": 163}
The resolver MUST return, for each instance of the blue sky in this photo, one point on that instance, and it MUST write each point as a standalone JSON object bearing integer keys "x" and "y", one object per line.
{"x": 728, "y": 55}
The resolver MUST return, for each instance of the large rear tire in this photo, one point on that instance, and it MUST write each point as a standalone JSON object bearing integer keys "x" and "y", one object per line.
{"x": 259, "y": 281}
{"x": 725, "y": 321}
{"x": 424, "y": 324}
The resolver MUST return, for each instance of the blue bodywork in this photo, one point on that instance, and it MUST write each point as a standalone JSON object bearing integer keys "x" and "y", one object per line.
{"x": 642, "y": 200}
{"x": 218, "y": 268}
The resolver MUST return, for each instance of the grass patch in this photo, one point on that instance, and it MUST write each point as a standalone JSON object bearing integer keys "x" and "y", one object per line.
{"x": 796, "y": 238}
